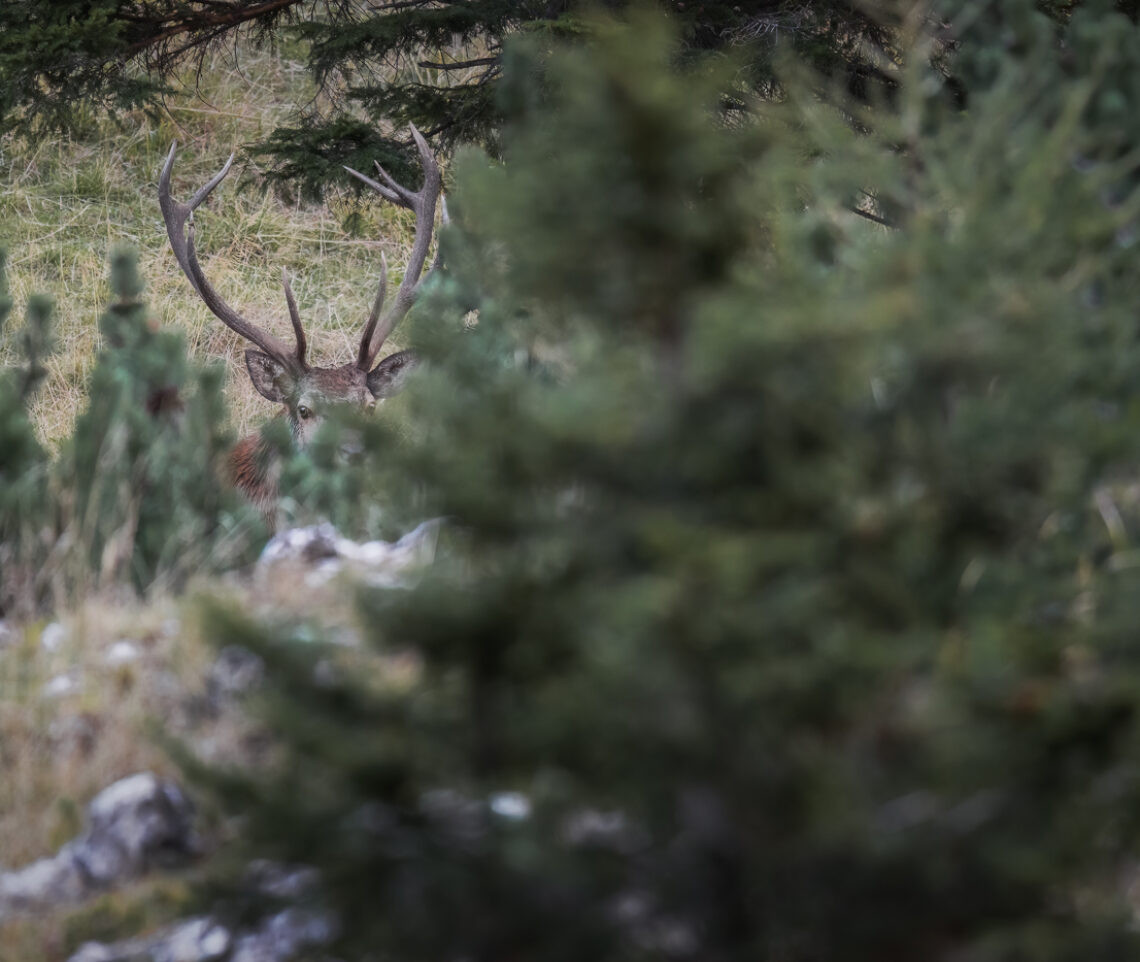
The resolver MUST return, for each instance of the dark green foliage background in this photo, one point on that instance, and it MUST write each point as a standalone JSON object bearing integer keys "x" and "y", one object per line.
{"x": 440, "y": 64}
{"x": 788, "y": 566}
{"x": 58, "y": 61}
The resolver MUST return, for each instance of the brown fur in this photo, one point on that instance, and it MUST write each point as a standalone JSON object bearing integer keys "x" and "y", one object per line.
{"x": 253, "y": 470}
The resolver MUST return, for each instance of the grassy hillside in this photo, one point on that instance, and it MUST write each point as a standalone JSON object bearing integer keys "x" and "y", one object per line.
{"x": 66, "y": 204}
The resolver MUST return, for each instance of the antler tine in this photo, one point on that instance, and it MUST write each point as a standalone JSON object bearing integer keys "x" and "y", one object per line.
{"x": 205, "y": 190}
{"x": 295, "y": 317}
{"x": 179, "y": 220}
{"x": 427, "y": 158}
{"x": 444, "y": 220}
{"x": 405, "y": 197}
{"x": 379, "y": 188}
{"x": 364, "y": 360}
{"x": 423, "y": 204}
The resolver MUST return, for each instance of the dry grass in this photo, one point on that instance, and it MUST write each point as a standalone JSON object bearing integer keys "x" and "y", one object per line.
{"x": 66, "y": 204}
{"x": 64, "y": 746}
{"x": 60, "y": 748}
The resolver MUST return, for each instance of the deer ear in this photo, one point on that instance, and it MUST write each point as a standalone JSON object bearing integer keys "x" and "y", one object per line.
{"x": 388, "y": 377}
{"x": 272, "y": 379}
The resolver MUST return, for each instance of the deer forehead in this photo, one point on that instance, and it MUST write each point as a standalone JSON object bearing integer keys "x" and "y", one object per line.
{"x": 336, "y": 385}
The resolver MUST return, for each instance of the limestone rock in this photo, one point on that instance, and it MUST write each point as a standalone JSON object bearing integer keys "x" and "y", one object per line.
{"x": 139, "y": 823}
{"x": 278, "y": 938}
{"x": 324, "y": 553}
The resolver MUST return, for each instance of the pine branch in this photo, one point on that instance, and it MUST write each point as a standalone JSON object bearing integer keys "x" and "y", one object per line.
{"x": 460, "y": 64}
{"x": 225, "y": 19}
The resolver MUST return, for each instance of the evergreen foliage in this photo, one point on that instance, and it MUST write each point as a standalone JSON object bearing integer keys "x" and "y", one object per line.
{"x": 60, "y": 60}
{"x": 23, "y": 461}
{"x": 787, "y": 603}
{"x": 436, "y": 64}
{"x": 143, "y": 472}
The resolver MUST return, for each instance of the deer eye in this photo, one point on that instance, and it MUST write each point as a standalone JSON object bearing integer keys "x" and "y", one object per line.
{"x": 305, "y": 412}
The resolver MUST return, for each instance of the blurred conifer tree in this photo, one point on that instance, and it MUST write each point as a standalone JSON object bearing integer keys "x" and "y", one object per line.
{"x": 141, "y": 480}
{"x": 23, "y": 461}
{"x": 786, "y": 602}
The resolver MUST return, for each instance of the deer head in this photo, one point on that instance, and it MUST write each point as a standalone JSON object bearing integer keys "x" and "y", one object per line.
{"x": 279, "y": 372}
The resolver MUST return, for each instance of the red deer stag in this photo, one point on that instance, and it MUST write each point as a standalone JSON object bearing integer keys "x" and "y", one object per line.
{"x": 280, "y": 373}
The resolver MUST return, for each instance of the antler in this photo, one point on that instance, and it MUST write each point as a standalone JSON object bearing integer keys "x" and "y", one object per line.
{"x": 422, "y": 203}
{"x": 179, "y": 220}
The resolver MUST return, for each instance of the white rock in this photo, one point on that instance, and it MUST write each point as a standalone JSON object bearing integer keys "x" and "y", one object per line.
{"x": 122, "y": 652}
{"x": 44, "y": 882}
{"x": 135, "y": 824}
{"x": 53, "y": 636}
{"x": 215, "y": 942}
{"x": 125, "y": 793}
{"x": 60, "y": 685}
{"x": 93, "y": 952}
{"x": 513, "y": 805}
{"x": 199, "y": 940}
{"x": 312, "y": 544}
{"x": 326, "y": 553}
{"x": 395, "y": 565}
